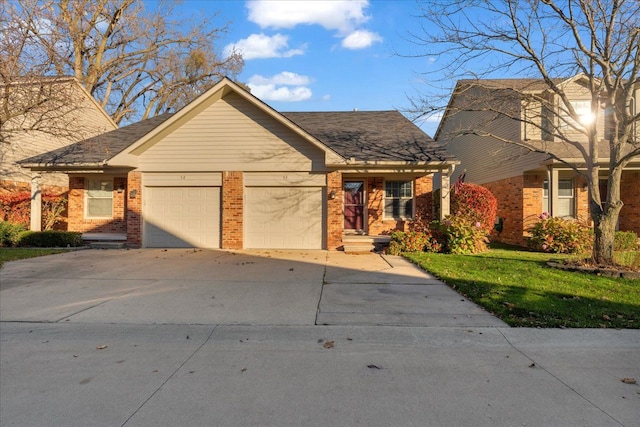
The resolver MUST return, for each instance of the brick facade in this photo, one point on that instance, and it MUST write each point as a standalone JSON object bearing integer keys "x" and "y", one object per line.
{"x": 77, "y": 221}
{"x": 520, "y": 204}
{"x": 232, "y": 210}
{"x": 134, "y": 196}
{"x": 630, "y": 196}
{"x": 335, "y": 219}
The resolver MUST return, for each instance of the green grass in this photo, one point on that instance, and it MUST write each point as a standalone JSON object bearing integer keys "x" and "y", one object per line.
{"x": 13, "y": 254}
{"x": 518, "y": 287}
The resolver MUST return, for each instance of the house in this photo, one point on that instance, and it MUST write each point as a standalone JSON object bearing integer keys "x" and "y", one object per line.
{"x": 37, "y": 116}
{"x": 228, "y": 171}
{"x": 483, "y": 120}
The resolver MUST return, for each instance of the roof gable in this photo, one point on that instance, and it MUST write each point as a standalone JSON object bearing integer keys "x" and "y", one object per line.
{"x": 217, "y": 92}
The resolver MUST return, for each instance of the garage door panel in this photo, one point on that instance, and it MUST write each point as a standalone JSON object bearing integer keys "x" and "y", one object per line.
{"x": 284, "y": 218}
{"x": 177, "y": 217}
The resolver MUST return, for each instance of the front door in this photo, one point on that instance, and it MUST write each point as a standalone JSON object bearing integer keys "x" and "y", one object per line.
{"x": 353, "y": 205}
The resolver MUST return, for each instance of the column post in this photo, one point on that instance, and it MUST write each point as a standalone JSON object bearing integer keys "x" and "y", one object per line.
{"x": 36, "y": 203}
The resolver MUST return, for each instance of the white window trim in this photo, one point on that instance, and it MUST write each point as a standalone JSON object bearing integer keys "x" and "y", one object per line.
{"x": 86, "y": 198}
{"x": 384, "y": 201}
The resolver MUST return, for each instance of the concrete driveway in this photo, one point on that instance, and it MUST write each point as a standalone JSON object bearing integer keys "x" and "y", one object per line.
{"x": 112, "y": 338}
{"x": 186, "y": 286}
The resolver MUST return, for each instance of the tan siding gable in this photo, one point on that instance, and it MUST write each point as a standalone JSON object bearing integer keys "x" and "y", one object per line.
{"x": 82, "y": 119}
{"x": 232, "y": 134}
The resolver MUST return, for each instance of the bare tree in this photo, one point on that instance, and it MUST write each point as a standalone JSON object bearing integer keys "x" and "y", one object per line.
{"x": 136, "y": 62}
{"x": 549, "y": 40}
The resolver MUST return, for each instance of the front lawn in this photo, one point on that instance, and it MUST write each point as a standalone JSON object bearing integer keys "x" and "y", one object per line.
{"x": 519, "y": 288}
{"x": 13, "y": 254}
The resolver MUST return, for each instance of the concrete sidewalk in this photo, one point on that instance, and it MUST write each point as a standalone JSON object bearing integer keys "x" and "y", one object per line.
{"x": 76, "y": 374}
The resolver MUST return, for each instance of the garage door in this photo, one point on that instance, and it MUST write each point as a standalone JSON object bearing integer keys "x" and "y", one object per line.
{"x": 283, "y": 218}
{"x": 182, "y": 217}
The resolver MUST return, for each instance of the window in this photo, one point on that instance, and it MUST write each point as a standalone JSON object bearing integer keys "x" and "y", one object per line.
{"x": 583, "y": 110}
{"x": 398, "y": 199}
{"x": 565, "y": 206}
{"x": 99, "y": 198}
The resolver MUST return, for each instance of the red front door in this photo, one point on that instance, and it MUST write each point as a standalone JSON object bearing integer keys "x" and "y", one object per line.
{"x": 353, "y": 205}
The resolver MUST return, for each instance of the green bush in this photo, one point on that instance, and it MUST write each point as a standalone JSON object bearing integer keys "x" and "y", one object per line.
{"x": 50, "y": 239}
{"x": 459, "y": 234}
{"x": 10, "y": 233}
{"x": 558, "y": 235}
{"x": 625, "y": 241}
{"x": 412, "y": 241}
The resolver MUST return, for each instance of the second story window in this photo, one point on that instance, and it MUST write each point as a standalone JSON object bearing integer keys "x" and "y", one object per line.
{"x": 583, "y": 110}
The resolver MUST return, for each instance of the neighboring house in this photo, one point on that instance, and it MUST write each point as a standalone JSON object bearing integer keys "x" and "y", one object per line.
{"x": 40, "y": 115}
{"x": 228, "y": 171}
{"x": 484, "y": 115}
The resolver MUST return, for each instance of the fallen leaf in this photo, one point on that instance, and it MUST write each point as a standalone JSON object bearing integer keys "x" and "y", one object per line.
{"x": 243, "y": 370}
{"x": 605, "y": 317}
{"x": 533, "y": 365}
{"x": 374, "y": 367}
{"x": 101, "y": 347}
{"x": 629, "y": 380}
{"x": 329, "y": 344}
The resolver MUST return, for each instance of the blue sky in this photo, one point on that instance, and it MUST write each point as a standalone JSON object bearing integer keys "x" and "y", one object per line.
{"x": 323, "y": 55}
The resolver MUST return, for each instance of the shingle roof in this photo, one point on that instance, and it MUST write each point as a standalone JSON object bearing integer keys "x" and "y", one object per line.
{"x": 99, "y": 148}
{"x": 370, "y": 135}
{"x": 526, "y": 84}
{"x": 362, "y": 135}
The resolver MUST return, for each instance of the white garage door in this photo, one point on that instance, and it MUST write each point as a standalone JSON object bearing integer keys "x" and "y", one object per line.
{"x": 283, "y": 218}
{"x": 182, "y": 217}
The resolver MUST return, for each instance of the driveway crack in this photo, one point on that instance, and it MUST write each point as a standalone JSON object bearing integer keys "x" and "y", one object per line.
{"x": 535, "y": 363}
{"x": 170, "y": 377}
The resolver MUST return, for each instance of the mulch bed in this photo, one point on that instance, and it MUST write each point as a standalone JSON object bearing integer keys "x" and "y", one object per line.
{"x": 613, "y": 272}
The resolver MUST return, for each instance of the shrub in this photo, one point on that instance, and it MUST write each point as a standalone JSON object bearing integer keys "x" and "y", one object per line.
{"x": 16, "y": 207}
{"x": 625, "y": 241}
{"x": 476, "y": 203}
{"x": 10, "y": 233}
{"x": 50, "y": 239}
{"x": 558, "y": 235}
{"x": 412, "y": 241}
{"x": 458, "y": 234}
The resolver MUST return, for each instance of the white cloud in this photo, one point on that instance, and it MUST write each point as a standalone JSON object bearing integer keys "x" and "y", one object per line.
{"x": 360, "y": 39}
{"x": 283, "y": 78}
{"x": 341, "y": 15}
{"x": 263, "y": 46}
{"x": 276, "y": 88}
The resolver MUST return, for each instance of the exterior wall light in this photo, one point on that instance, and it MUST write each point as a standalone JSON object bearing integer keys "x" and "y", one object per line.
{"x": 332, "y": 195}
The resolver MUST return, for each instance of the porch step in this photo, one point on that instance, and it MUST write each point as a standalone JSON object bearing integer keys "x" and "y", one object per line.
{"x": 364, "y": 243}
{"x": 358, "y": 248}
{"x": 107, "y": 245}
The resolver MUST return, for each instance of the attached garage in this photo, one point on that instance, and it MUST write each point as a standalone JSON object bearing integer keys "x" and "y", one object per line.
{"x": 284, "y": 211}
{"x": 181, "y": 216}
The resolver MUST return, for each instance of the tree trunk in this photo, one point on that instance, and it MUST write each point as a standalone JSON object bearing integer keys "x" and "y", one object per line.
{"x": 604, "y": 230}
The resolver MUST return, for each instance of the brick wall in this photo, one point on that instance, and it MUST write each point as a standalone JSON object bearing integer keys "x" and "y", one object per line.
{"x": 134, "y": 209}
{"x": 232, "y": 210}
{"x": 630, "y": 196}
{"x": 377, "y": 225}
{"x": 335, "y": 219}
{"x": 509, "y": 194}
{"x": 77, "y": 221}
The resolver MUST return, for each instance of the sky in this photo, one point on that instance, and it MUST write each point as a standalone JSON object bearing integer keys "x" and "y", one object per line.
{"x": 323, "y": 55}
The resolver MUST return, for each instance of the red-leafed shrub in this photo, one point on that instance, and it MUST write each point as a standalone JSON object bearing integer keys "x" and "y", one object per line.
{"x": 475, "y": 203}
{"x": 15, "y": 207}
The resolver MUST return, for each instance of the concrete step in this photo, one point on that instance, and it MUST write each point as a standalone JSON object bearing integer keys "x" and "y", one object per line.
{"x": 358, "y": 248}
{"x": 107, "y": 245}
